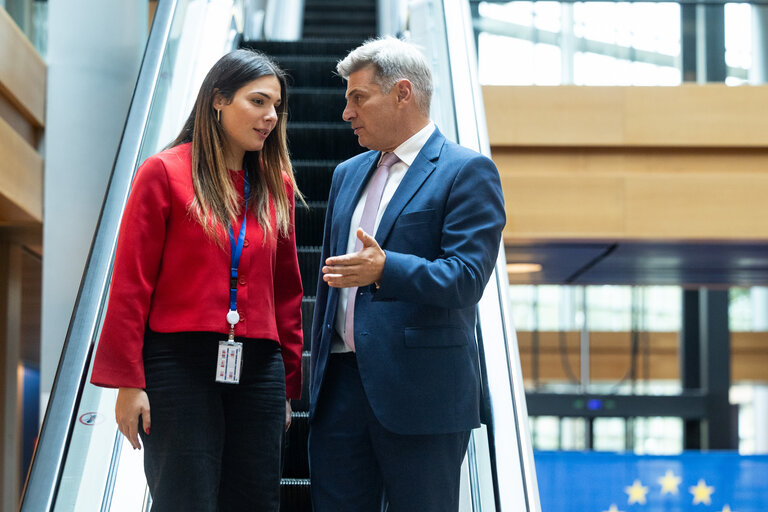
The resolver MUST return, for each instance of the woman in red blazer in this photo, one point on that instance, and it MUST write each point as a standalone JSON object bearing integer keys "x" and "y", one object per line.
{"x": 202, "y": 334}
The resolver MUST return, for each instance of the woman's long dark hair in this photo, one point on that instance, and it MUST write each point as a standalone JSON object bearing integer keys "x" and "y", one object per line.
{"x": 216, "y": 204}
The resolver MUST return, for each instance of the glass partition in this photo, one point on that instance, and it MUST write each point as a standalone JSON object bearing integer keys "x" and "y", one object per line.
{"x": 499, "y": 472}
{"x": 82, "y": 462}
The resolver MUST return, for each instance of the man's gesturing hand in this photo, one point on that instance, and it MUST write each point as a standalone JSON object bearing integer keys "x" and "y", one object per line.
{"x": 359, "y": 268}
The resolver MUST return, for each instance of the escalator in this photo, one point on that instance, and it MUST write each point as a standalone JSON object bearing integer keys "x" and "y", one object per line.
{"x": 318, "y": 140}
{"x": 82, "y": 462}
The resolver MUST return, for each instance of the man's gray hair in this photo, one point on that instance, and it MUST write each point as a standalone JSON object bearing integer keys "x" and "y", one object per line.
{"x": 392, "y": 60}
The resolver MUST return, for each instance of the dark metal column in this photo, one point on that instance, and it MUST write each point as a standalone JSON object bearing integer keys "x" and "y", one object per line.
{"x": 475, "y": 10}
{"x": 714, "y": 35}
{"x": 690, "y": 363}
{"x": 721, "y": 431}
{"x": 758, "y": 73}
{"x": 702, "y": 45}
{"x": 688, "y": 41}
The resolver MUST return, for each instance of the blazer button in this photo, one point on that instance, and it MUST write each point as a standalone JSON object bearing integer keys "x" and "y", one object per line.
{"x": 242, "y": 281}
{"x": 242, "y": 317}
{"x": 245, "y": 243}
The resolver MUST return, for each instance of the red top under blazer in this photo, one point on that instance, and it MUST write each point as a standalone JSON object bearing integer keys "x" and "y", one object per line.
{"x": 171, "y": 276}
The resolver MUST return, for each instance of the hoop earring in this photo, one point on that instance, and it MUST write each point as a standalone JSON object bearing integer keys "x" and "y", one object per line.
{"x": 218, "y": 115}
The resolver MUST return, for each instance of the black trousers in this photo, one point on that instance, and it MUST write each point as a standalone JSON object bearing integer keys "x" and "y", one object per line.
{"x": 213, "y": 447}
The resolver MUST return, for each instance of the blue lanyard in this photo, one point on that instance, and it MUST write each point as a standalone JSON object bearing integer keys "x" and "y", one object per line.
{"x": 237, "y": 250}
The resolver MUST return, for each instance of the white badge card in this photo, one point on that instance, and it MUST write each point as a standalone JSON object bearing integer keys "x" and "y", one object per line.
{"x": 229, "y": 362}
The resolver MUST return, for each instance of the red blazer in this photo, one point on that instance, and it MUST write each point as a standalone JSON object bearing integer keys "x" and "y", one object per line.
{"x": 171, "y": 276}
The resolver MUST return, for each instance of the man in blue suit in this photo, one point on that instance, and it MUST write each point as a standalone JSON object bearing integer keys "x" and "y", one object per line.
{"x": 412, "y": 234}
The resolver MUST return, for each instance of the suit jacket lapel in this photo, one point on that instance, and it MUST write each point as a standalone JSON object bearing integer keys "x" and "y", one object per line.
{"x": 349, "y": 195}
{"x": 417, "y": 173}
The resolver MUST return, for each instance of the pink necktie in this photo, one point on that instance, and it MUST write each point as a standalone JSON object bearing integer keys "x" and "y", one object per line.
{"x": 367, "y": 222}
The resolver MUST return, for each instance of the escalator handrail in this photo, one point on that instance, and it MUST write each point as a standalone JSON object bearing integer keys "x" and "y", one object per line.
{"x": 42, "y": 485}
{"x": 472, "y": 132}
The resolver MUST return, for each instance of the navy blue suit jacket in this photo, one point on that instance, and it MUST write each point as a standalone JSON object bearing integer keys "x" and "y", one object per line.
{"x": 415, "y": 336}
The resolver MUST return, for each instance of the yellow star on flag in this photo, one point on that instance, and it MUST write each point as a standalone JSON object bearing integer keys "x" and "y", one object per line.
{"x": 669, "y": 483}
{"x": 614, "y": 508}
{"x": 636, "y": 492}
{"x": 702, "y": 493}
{"x": 727, "y": 508}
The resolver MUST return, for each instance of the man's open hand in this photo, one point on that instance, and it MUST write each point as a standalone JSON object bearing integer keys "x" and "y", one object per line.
{"x": 359, "y": 268}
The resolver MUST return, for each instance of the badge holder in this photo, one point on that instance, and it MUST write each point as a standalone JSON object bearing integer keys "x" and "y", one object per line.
{"x": 230, "y": 359}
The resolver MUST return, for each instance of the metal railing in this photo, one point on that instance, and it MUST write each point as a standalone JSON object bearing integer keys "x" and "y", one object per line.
{"x": 80, "y": 460}
{"x": 499, "y": 473}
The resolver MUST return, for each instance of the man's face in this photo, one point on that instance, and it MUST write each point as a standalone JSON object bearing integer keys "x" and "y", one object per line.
{"x": 372, "y": 114}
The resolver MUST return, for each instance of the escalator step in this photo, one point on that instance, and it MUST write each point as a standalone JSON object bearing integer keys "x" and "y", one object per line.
{"x": 316, "y": 104}
{"x": 296, "y": 458}
{"x": 340, "y": 5}
{"x": 307, "y": 311}
{"x": 335, "y": 31}
{"x": 311, "y": 71}
{"x": 360, "y": 17}
{"x": 322, "y": 141}
{"x": 302, "y": 404}
{"x": 309, "y": 4}
{"x": 309, "y": 259}
{"x": 294, "y": 495}
{"x": 309, "y": 223}
{"x": 314, "y": 178}
{"x": 335, "y": 48}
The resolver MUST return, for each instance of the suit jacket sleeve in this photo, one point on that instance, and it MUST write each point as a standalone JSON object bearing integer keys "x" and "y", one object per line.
{"x": 321, "y": 298}
{"x": 473, "y": 220}
{"x": 118, "y": 361}
{"x": 288, "y": 294}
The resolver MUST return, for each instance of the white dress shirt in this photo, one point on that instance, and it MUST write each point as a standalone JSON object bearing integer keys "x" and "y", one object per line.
{"x": 407, "y": 153}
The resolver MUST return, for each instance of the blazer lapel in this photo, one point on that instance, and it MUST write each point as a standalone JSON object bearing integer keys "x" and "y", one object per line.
{"x": 417, "y": 173}
{"x": 349, "y": 195}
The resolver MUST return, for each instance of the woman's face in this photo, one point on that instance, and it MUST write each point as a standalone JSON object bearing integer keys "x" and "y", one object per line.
{"x": 251, "y": 116}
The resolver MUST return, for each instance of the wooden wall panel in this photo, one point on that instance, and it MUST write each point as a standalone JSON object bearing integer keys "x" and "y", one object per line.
{"x": 610, "y": 356}
{"x": 21, "y": 179}
{"x": 564, "y": 205}
{"x": 634, "y": 194}
{"x": 22, "y": 117}
{"x": 22, "y": 72}
{"x": 725, "y": 206}
{"x": 565, "y": 116}
{"x": 696, "y": 115}
{"x": 690, "y": 115}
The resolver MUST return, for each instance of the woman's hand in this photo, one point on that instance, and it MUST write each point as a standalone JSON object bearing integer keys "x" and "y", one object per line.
{"x": 287, "y": 414}
{"x": 132, "y": 403}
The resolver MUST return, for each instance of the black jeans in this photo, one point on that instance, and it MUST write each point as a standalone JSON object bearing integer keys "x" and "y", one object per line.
{"x": 213, "y": 447}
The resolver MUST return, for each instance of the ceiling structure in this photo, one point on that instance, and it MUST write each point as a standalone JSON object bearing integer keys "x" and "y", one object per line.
{"x": 641, "y": 263}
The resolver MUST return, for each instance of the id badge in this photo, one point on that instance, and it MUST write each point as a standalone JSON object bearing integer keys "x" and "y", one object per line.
{"x": 229, "y": 362}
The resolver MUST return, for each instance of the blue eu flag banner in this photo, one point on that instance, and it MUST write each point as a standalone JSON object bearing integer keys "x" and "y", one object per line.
{"x": 690, "y": 482}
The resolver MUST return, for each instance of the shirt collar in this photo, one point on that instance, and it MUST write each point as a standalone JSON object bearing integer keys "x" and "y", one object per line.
{"x": 409, "y": 150}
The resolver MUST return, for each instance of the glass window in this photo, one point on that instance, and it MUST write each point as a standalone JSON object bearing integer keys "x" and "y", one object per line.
{"x": 545, "y": 431}
{"x": 609, "y": 434}
{"x": 609, "y": 308}
{"x": 585, "y": 43}
{"x": 738, "y": 46}
{"x": 658, "y": 436}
